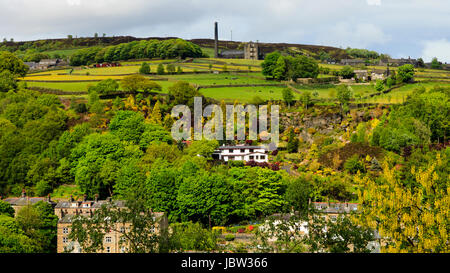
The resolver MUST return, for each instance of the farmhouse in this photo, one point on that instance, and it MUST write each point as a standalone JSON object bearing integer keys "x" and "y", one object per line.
{"x": 361, "y": 74}
{"x": 241, "y": 153}
{"x": 32, "y": 65}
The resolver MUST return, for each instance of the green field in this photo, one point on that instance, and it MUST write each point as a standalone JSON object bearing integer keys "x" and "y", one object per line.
{"x": 244, "y": 94}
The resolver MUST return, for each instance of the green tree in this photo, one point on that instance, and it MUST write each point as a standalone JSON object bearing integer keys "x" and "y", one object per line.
{"x": 183, "y": 93}
{"x": 6, "y": 209}
{"x": 140, "y": 237}
{"x": 405, "y": 73}
{"x": 204, "y": 197}
{"x": 270, "y": 64}
{"x": 7, "y": 81}
{"x": 347, "y": 72}
{"x": 145, "y": 68}
{"x": 160, "y": 70}
{"x": 435, "y": 64}
{"x": 192, "y": 236}
{"x": 293, "y": 142}
{"x": 9, "y": 61}
{"x": 288, "y": 96}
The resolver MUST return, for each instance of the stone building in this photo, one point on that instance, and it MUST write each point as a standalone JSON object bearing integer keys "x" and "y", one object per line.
{"x": 251, "y": 51}
{"x": 19, "y": 202}
{"x": 68, "y": 210}
{"x": 353, "y": 62}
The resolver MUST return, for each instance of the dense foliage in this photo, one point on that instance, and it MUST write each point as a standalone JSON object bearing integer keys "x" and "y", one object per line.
{"x": 167, "y": 49}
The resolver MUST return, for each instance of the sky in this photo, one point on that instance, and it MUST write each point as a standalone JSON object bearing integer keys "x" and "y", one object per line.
{"x": 400, "y": 28}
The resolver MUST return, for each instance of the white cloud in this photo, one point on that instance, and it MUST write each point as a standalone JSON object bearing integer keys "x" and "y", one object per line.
{"x": 74, "y": 2}
{"x": 436, "y": 48}
{"x": 374, "y": 2}
{"x": 356, "y": 36}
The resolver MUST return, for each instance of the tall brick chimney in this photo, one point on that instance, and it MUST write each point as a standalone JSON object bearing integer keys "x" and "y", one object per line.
{"x": 216, "y": 40}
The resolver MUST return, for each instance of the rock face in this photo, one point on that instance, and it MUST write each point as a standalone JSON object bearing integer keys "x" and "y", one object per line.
{"x": 309, "y": 124}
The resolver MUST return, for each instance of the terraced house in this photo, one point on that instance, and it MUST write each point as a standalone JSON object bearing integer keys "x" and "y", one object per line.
{"x": 113, "y": 240}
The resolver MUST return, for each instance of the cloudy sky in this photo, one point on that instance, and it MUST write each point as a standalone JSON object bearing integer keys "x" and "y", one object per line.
{"x": 401, "y": 28}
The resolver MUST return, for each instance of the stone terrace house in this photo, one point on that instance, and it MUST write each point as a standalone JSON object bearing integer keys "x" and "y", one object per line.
{"x": 19, "y": 202}
{"x": 241, "y": 153}
{"x": 68, "y": 210}
{"x": 352, "y": 62}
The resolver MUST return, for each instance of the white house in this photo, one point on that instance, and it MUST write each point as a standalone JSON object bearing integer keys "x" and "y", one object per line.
{"x": 241, "y": 153}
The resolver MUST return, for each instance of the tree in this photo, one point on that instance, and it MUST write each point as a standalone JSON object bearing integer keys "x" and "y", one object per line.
{"x": 145, "y": 68}
{"x": 435, "y": 64}
{"x": 302, "y": 67}
{"x": 133, "y": 83}
{"x": 140, "y": 237}
{"x": 170, "y": 69}
{"x": 183, "y": 93}
{"x": 347, "y": 72}
{"x": 342, "y": 235}
{"x": 97, "y": 161}
{"x": 160, "y": 70}
{"x": 107, "y": 86}
{"x": 192, "y": 236}
{"x": 39, "y": 223}
{"x": 379, "y": 85}
{"x": 9, "y": 61}
{"x": 406, "y": 73}
{"x": 270, "y": 64}
{"x": 293, "y": 142}
{"x": 298, "y": 193}
{"x": 344, "y": 94}
{"x": 305, "y": 98}
{"x": 280, "y": 70}
{"x": 156, "y": 114}
{"x": 6, "y": 209}
{"x": 288, "y": 96}
{"x": 7, "y": 81}
{"x": 128, "y": 126}
{"x": 409, "y": 219}
{"x": 204, "y": 197}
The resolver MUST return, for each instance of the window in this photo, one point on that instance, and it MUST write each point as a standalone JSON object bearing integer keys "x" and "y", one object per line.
{"x": 251, "y": 150}
{"x": 122, "y": 230}
{"x": 263, "y": 157}
{"x": 242, "y": 150}
{"x": 108, "y": 239}
{"x": 252, "y": 157}
{"x": 108, "y": 249}
{"x": 65, "y": 230}
{"x": 65, "y": 240}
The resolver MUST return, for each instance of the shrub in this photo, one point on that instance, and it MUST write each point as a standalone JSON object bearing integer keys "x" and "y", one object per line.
{"x": 230, "y": 237}
{"x": 353, "y": 165}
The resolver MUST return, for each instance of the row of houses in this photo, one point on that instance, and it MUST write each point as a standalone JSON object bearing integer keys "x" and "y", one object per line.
{"x": 45, "y": 64}
{"x": 382, "y": 62}
{"x": 69, "y": 209}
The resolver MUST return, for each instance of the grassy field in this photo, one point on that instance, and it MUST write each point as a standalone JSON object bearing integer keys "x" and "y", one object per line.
{"x": 399, "y": 95}
{"x": 217, "y": 79}
{"x": 244, "y": 94}
{"x": 229, "y": 94}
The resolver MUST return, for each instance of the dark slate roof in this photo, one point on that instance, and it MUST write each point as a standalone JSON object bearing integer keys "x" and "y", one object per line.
{"x": 240, "y": 147}
{"x": 23, "y": 201}
{"x": 92, "y": 204}
{"x": 232, "y": 52}
{"x": 335, "y": 207}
